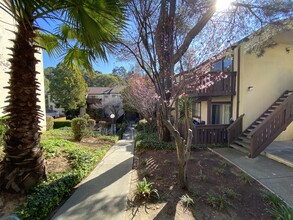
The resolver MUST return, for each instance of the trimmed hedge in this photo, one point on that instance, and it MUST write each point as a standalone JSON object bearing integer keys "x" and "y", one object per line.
{"x": 61, "y": 124}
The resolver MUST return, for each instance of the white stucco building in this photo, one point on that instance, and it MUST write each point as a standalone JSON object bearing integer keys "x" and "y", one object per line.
{"x": 7, "y": 26}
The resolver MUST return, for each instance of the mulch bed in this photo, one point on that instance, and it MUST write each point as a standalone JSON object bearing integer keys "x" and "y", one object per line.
{"x": 210, "y": 179}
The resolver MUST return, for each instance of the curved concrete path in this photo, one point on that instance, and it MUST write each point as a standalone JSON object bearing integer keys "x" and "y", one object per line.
{"x": 103, "y": 194}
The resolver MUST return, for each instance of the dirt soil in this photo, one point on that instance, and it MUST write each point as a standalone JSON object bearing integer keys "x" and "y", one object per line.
{"x": 219, "y": 190}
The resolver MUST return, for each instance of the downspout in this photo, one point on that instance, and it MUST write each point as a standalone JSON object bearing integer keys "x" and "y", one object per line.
{"x": 238, "y": 83}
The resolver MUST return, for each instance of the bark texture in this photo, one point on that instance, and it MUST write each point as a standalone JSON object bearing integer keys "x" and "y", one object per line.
{"x": 23, "y": 165}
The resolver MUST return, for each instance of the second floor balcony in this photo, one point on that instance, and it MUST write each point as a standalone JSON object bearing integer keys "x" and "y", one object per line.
{"x": 221, "y": 87}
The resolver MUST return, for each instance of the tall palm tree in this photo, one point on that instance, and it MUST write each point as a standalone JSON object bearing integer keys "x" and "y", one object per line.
{"x": 93, "y": 21}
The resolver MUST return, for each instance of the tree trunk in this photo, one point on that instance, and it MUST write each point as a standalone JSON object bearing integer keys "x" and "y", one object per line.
{"x": 163, "y": 131}
{"x": 23, "y": 164}
{"x": 183, "y": 153}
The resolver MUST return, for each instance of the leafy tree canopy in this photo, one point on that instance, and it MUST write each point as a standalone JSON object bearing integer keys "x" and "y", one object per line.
{"x": 104, "y": 80}
{"x": 67, "y": 88}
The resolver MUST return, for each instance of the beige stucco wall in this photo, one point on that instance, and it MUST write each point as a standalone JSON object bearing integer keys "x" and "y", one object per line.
{"x": 269, "y": 75}
{"x": 5, "y": 35}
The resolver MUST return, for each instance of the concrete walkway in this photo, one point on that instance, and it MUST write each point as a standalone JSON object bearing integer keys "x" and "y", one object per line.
{"x": 103, "y": 194}
{"x": 273, "y": 175}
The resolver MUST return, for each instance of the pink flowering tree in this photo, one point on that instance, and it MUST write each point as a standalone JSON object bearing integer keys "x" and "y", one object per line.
{"x": 140, "y": 94}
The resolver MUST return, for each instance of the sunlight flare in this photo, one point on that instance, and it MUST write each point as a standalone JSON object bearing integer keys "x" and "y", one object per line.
{"x": 221, "y": 5}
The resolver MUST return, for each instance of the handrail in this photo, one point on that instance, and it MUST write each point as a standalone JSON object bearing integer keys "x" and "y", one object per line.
{"x": 279, "y": 108}
{"x": 235, "y": 129}
{"x": 271, "y": 127}
{"x": 265, "y": 111}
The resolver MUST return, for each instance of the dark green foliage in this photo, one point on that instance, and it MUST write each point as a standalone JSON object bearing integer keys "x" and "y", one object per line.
{"x": 217, "y": 200}
{"x": 61, "y": 124}
{"x": 3, "y": 128}
{"x": 46, "y": 196}
{"x": 104, "y": 80}
{"x": 79, "y": 127}
{"x": 68, "y": 87}
{"x": 149, "y": 140}
{"x": 280, "y": 211}
{"x": 145, "y": 190}
{"x": 49, "y": 123}
{"x": 144, "y": 125}
{"x": 121, "y": 128}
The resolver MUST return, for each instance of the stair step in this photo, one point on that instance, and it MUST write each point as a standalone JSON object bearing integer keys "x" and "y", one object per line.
{"x": 239, "y": 148}
{"x": 245, "y": 139}
{"x": 242, "y": 144}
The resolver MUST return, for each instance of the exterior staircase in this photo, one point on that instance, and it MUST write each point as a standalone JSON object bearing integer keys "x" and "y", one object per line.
{"x": 264, "y": 130}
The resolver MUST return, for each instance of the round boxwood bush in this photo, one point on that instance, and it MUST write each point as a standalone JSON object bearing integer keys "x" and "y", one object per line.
{"x": 79, "y": 126}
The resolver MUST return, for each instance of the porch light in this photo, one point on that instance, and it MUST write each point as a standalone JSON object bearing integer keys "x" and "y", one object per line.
{"x": 250, "y": 88}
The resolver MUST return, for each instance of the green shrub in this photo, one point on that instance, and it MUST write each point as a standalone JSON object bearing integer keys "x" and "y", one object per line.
{"x": 146, "y": 140}
{"x": 79, "y": 128}
{"x": 49, "y": 123}
{"x": 91, "y": 123}
{"x": 145, "y": 189}
{"x": 46, "y": 196}
{"x": 121, "y": 128}
{"x": 187, "y": 200}
{"x": 3, "y": 128}
{"x": 280, "y": 210}
{"x": 86, "y": 117}
{"x": 144, "y": 125}
{"x": 61, "y": 124}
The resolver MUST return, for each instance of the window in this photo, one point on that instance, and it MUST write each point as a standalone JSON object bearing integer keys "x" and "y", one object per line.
{"x": 196, "y": 110}
{"x": 221, "y": 113}
{"x": 225, "y": 65}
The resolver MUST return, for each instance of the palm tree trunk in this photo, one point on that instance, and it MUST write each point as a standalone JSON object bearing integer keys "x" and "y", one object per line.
{"x": 23, "y": 165}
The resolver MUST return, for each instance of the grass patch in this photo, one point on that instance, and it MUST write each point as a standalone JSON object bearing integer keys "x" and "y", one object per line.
{"x": 62, "y": 133}
{"x": 280, "y": 210}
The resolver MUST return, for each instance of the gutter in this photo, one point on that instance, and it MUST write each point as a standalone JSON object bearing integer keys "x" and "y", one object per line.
{"x": 238, "y": 83}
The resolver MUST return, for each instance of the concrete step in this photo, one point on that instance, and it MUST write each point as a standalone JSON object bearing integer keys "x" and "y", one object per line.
{"x": 242, "y": 144}
{"x": 239, "y": 148}
{"x": 245, "y": 139}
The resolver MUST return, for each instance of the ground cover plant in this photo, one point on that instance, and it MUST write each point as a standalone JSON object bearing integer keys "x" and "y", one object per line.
{"x": 223, "y": 193}
{"x": 68, "y": 162}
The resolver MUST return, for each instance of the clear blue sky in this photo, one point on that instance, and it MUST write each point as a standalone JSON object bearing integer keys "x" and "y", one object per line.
{"x": 100, "y": 65}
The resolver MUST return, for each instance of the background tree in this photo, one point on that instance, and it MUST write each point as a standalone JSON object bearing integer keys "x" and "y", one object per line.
{"x": 67, "y": 88}
{"x": 121, "y": 71}
{"x": 162, "y": 33}
{"x": 95, "y": 24}
{"x": 103, "y": 80}
{"x": 140, "y": 94}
